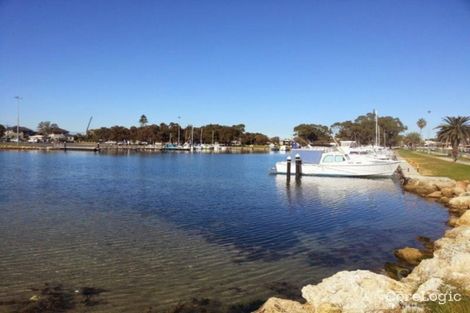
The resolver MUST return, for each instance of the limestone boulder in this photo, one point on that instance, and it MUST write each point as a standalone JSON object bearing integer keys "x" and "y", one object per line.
{"x": 435, "y": 195}
{"x": 443, "y": 182}
{"x": 429, "y": 287}
{"x": 458, "y": 190}
{"x": 462, "y": 184}
{"x": 410, "y": 255}
{"x": 451, "y": 261}
{"x": 276, "y": 305}
{"x": 357, "y": 291}
{"x": 460, "y": 203}
{"x": 464, "y": 219}
{"x": 447, "y": 192}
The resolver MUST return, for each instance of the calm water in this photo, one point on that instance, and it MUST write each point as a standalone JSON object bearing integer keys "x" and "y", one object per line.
{"x": 158, "y": 229}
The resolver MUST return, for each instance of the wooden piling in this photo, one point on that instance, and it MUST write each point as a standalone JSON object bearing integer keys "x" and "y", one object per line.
{"x": 298, "y": 166}
{"x": 289, "y": 164}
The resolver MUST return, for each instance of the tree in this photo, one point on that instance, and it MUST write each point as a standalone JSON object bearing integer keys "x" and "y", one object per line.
{"x": 309, "y": 133}
{"x": 412, "y": 139}
{"x": 2, "y": 130}
{"x": 143, "y": 120}
{"x": 275, "y": 140}
{"x": 362, "y": 129}
{"x": 421, "y": 124}
{"x": 454, "y": 130}
{"x": 46, "y": 128}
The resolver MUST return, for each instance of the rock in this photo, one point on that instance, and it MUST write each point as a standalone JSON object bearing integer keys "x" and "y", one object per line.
{"x": 443, "y": 182}
{"x": 444, "y": 200}
{"x": 276, "y": 305}
{"x": 420, "y": 187}
{"x": 468, "y": 187}
{"x": 458, "y": 190}
{"x": 34, "y": 298}
{"x": 429, "y": 287}
{"x": 410, "y": 255}
{"x": 450, "y": 263}
{"x": 426, "y": 242}
{"x": 357, "y": 291}
{"x": 396, "y": 271}
{"x": 464, "y": 219}
{"x": 435, "y": 194}
{"x": 462, "y": 184}
{"x": 447, "y": 192}
{"x": 452, "y": 222}
{"x": 460, "y": 203}
{"x": 328, "y": 308}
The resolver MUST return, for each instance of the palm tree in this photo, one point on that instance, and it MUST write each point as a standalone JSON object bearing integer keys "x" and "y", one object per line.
{"x": 143, "y": 120}
{"x": 421, "y": 124}
{"x": 454, "y": 131}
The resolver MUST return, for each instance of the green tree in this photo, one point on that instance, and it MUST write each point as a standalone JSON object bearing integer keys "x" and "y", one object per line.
{"x": 275, "y": 140}
{"x": 2, "y": 130}
{"x": 46, "y": 128}
{"x": 143, "y": 120}
{"x": 310, "y": 133}
{"x": 421, "y": 124}
{"x": 412, "y": 139}
{"x": 454, "y": 130}
{"x": 362, "y": 129}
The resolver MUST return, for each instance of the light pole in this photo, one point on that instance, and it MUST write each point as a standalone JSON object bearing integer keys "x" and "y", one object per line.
{"x": 18, "y": 99}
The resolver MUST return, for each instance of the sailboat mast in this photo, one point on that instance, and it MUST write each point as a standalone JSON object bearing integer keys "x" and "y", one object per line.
{"x": 376, "y": 128}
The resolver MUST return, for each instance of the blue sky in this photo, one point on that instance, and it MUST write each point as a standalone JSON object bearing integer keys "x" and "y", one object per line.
{"x": 268, "y": 64}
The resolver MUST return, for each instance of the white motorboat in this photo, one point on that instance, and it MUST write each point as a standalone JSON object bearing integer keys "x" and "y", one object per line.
{"x": 338, "y": 164}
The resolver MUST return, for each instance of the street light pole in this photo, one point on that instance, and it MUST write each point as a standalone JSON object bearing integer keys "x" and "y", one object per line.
{"x": 18, "y": 99}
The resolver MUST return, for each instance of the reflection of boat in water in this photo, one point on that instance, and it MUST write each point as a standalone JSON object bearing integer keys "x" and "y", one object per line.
{"x": 317, "y": 163}
{"x": 174, "y": 147}
{"x": 330, "y": 190}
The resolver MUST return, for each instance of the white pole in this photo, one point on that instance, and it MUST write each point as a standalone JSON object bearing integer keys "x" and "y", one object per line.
{"x": 192, "y": 137}
{"x": 18, "y": 98}
{"x": 376, "y": 128}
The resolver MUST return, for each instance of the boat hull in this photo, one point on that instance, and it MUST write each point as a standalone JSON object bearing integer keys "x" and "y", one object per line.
{"x": 374, "y": 169}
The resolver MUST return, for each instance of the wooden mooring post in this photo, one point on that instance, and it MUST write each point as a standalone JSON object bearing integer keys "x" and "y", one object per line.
{"x": 289, "y": 165}
{"x": 298, "y": 166}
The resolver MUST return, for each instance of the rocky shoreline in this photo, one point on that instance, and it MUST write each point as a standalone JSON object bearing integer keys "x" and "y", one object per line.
{"x": 441, "y": 270}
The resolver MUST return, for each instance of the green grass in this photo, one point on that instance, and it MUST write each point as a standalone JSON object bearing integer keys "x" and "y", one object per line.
{"x": 432, "y": 166}
{"x": 462, "y": 306}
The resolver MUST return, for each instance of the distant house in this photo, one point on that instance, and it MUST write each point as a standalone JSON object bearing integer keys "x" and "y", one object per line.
{"x": 59, "y": 134}
{"x": 11, "y": 133}
{"x": 36, "y": 138}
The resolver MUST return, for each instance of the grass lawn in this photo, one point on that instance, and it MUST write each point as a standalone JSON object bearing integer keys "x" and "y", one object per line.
{"x": 431, "y": 166}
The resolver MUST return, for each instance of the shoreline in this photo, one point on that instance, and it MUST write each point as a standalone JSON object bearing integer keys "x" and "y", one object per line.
{"x": 443, "y": 272}
{"x": 93, "y": 147}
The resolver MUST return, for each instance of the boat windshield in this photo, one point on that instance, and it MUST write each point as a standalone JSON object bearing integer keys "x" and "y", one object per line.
{"x": 333, "y": 158}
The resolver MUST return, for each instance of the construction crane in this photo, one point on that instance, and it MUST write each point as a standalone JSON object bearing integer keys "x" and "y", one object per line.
{"x": 89, "y": 122}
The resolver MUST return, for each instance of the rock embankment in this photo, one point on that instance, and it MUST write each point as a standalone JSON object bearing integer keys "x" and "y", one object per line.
{"x": 444, "y": 271}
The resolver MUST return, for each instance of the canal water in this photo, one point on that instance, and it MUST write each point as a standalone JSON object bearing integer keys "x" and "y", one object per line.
{"x": 157, "y": 230}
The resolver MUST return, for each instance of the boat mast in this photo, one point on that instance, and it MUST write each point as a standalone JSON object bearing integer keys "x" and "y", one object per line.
{"x": 376, "y": 128}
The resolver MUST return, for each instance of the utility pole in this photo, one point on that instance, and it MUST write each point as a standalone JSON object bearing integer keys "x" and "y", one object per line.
{"x": 18, "y": 99}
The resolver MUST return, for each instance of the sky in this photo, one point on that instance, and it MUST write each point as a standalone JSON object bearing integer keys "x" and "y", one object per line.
{"x": 266, "y": 63}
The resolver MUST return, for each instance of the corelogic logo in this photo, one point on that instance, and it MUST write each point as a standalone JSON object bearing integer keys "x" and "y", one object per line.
{"x": 439, "y": 297}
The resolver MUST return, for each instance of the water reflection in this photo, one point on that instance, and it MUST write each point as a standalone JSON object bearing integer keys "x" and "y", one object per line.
{"x": 331, "y": 190}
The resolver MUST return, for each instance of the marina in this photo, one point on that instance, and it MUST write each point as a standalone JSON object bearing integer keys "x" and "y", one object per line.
{"x": 155, "y": 230}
